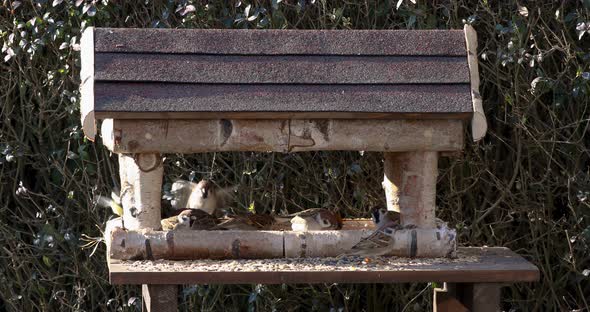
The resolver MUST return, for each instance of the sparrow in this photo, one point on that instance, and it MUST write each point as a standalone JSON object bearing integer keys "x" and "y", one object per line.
{"x": 248, "y": 222}
{"x": 180, "y": 222}
{"x": 314, "y": 219}
{"x": 203, "y": 195}
{"x": 379, "y": 243}
{"x": 382, "y": 216}
{"x": 199, "y": 219}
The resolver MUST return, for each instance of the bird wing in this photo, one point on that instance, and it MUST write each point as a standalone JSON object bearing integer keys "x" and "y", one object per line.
{"x": 181, "y": 190}
{"x": 376, "y": 244}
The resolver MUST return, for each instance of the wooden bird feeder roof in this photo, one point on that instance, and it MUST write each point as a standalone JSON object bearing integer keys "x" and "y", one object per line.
{"x": 163, "y": 74}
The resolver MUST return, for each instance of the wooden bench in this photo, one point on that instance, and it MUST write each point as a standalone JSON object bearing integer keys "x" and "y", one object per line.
{"x": 408, "y": 94}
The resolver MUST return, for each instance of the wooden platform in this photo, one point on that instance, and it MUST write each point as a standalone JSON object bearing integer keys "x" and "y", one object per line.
{"x": 473, "y": 265}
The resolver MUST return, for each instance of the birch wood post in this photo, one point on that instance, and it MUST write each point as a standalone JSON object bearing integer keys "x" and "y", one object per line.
{"x": 141, "y": 188}
{"x": 410, "y": 186}
{"x": 141, "y": 193}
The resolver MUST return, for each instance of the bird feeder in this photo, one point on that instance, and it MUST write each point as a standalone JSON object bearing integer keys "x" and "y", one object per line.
{"x": 406, "y": 93}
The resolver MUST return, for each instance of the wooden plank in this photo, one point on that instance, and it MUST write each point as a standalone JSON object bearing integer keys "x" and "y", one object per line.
{"x": 87, "y": 83}
{"x": 487, "y": 264}
{"x": 280, "y": 69}
{"x": 163, "y": 99}
{"x": 479, "y": 124}
{"x": 197, "y": 136}
{"x": 281, "y": 42}
{"x": 160, "y": 298}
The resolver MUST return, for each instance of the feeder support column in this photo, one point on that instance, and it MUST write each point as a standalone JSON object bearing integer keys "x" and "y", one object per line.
{"x": 410, "y": 186}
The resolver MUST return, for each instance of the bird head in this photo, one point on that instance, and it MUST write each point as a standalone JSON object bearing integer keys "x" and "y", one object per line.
{"x": 206, "y": 188}
{"x": 184, "y": 217}
{"x": 328, "y": 219}
{"x": 381, "y": 216}
{"x": 378, "y": 214}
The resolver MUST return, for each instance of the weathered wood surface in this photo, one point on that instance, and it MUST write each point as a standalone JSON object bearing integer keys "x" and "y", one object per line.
{"x": 160, "y": 298}
{"x": 281, "y": 42}
{"x": 125, "y": 100}
{"x": 495, "y": 264}
{"x": 406, "y": 243}
{"x": 187, "y": 245}
{"x": 183, "y": 245}
{"x": 476, "y": 297}
{"x": 196, "y": 136}
{"x": 479, "y": 124}
{"x": 410, "y": 184}
{"x": 141, "y": 190}
{"x": 280, "y": 69}
{"x": 87, "y": 86}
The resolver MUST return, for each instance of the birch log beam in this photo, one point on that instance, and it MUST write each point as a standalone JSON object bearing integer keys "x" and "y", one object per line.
{"x": 195, "y": 136}
{"x": 410, "y": 186}
{"x": 193, "y": 245}
{"x": 201, "y": 135}
{"x": 141, "y": 187}
{"x": 189, "y": 245}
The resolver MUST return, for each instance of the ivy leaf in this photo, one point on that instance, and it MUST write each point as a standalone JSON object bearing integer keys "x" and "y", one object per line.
{"x": 186, "y": 10}
{"x": 57, "y": 2}
{"x": 47, "y": 261}
{"x": 522, "y": 10}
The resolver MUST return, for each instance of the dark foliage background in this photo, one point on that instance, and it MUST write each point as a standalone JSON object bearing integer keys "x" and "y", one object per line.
{"x": 526, "y": 186}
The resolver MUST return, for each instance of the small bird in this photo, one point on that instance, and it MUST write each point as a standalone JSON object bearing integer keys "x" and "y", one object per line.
{"x": 199, "y": 219}
{"x": 180, "y": 222}
{"x": 248, "y": 222}
{"x": 115, "y": 206}
{"x": 314, "y": 219}
{"x": 203, "y": 195}
{"x": 382, "y": 216}
{"x": 202, "y": 221}
{"x": 379, "y": 243}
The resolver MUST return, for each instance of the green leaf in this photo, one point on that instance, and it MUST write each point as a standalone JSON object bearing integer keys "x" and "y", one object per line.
{"x": 47, "y": 261}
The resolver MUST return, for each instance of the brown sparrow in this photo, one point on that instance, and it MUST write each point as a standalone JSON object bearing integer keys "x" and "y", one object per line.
{"x": 180, "y": 222}
{"x": 203, "y": 195}
{"x": 379, "y": 243}
{"x": 248, "y": 222}
{"x": 315, "y": 219}
{"x": 382, "y": 216}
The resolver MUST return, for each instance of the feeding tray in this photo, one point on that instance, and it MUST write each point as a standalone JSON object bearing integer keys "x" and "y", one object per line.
{"x": 472, "y": 265}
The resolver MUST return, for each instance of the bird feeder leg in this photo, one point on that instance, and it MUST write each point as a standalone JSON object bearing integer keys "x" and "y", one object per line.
{"x": 160, "y": 298}
{"x": 410, "y": 186}
{"x": 141, "y": 190}
{"x": 141, "y": 194}
{"x": 478, "y": 297}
